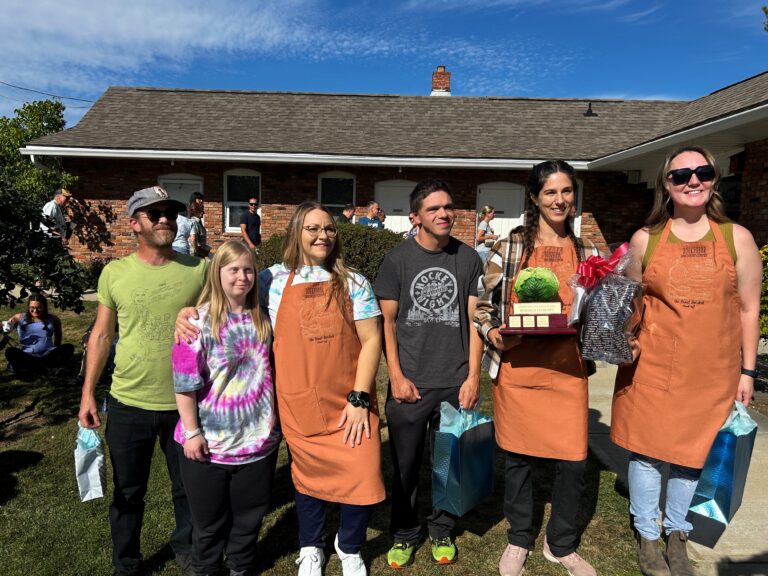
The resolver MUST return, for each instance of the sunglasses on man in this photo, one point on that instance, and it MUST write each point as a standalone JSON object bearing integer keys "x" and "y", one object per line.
{"x": 681, "y": 176}
{"x": 154, "y": 214}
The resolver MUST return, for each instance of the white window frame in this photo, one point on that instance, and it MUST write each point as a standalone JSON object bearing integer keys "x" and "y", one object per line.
{"x": 228, "y": 204}
{"x": 336, "y": 174}
{"x": 180, "y": 178}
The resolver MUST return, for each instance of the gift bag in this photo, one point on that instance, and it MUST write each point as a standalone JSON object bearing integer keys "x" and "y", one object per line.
{"x": 721, "y": 485}
{"x": 462, "y": 467}
{"x": 90, "y": 466}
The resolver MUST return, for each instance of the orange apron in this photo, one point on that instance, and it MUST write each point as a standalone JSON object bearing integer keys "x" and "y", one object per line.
{"x": 670, "y": 404}
{"x": 540, "y": 399}
{"x": 316, "y": 350}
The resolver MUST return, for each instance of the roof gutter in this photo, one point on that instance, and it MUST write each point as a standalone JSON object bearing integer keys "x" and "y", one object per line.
{"x": 193, "y": 155}
{"x": 721, "y": 125}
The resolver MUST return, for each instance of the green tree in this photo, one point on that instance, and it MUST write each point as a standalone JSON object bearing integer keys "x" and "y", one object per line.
{"x": 28, "y": 256}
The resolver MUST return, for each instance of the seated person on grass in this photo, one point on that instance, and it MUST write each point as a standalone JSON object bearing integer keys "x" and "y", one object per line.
{"x": 39, "y": 333}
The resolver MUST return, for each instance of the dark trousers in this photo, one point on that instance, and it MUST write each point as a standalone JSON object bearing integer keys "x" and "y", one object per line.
{"x": 131, "y": 435}
{"x": 22, "y": 361}
{"x": 228, "y": 504}
{"x": 353, "y": 523}
{"x": 408, "y": 426}
{"x": 518, "y": 503}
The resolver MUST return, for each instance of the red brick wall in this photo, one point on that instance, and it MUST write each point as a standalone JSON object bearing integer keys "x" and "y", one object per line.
{"x": 612, "y": 208}
{"x": 754, "y": 190}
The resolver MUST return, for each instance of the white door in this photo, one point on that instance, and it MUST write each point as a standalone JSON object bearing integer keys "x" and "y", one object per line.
{"x": 508, "y": 200}
{"x": 393, "y": 197}
{"x": 180, "y": 187}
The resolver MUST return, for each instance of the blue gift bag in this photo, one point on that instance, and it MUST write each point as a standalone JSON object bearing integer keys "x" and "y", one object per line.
{"x": 721, "y": 485}
{"x": 462, "y": 466}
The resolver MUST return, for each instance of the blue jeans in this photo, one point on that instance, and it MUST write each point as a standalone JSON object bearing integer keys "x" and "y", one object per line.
{"x": 131, "y": 435}
{"x": 645, "y": 492}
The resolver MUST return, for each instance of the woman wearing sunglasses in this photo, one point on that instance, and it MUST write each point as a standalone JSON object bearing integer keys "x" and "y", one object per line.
{"x": 697, "y": 347}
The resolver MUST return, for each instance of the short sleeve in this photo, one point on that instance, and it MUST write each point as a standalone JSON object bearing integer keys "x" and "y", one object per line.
{"x": 387, "y": 285}
{"x": 188, "y": 363}
{"x": 476, "y": 270}
{"x": 364, "y": 304}
{"x": 244, "y": 218}
{"x": 103, "y": 291}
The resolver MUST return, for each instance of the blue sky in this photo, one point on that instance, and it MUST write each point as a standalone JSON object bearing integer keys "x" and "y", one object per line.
{"x": 532, "y": 48}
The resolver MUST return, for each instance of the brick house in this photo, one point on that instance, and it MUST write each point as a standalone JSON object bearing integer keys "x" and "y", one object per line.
{"x": 285, "y": 147}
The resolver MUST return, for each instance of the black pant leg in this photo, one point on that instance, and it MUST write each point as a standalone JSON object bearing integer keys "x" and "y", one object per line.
{"x": 562, "y": 533}
{"x": 130, "y": 435}
{"x": 353, "y": 527}
{"x": 407, "y": 424}
{"x": 249, "y": 494}
{"x": 57, "y": 356}
{"x": 518, "y": 500}
{"x": 311, "y": 515}
{"x": 181, "y": 538}
{"x": 20, "y": 361}
{"x": 440, "y": 523}
{"x": 207, "y": 486}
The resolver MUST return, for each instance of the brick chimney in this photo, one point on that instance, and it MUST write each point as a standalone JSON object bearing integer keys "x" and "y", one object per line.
{"x": 441, "y": 82}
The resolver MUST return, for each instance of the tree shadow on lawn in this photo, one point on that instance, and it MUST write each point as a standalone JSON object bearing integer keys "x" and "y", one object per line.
{"x": 11, "y": 462}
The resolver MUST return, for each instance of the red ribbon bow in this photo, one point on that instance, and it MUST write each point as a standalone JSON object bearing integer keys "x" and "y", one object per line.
{"x": 595, "y": 268}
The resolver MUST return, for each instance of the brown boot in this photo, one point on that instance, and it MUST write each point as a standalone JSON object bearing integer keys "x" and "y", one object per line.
{"x": 677, "y": 554}
{"x": 650, "y": 558}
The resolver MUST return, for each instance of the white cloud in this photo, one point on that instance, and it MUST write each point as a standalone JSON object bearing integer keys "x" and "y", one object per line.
{"x": 559, "y": 5}
{"x": 642, "y": 15}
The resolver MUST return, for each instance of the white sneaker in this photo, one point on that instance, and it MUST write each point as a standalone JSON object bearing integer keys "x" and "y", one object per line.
{"x": 310, "y": 561}
{"x": 351, "y": 564}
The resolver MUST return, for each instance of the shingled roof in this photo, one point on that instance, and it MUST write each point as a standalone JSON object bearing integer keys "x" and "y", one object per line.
{"x": 390, "y": 126}
{"x": 363, "y": 125}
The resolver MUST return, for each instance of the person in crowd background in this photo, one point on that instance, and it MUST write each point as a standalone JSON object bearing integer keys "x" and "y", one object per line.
{"x": 39, "y": 334}
{"x": 250, "y": 225}
{"x": 227, "y": 428}
{"x": 346, "y": 215}
{"x": 485, "y": 236}
{"x": 198, "y": 236}
{"x": 697, "y": 346}
{"x": 371, "y": 218}
{"x": 539, "y": 382}
{"x": 54, "y": 221}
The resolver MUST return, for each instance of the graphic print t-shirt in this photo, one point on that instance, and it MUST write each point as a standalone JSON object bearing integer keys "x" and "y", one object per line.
{"x": 432, "y": 289}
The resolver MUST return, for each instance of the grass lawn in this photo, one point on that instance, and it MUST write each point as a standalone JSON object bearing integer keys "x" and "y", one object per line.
{"x": 46, "y": 530}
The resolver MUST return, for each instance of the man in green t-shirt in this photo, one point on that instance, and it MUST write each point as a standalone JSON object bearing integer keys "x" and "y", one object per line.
{"x": 143, "y": 292}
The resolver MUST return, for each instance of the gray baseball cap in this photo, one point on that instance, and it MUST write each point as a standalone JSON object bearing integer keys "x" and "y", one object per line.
{"x": 149, "y": 196}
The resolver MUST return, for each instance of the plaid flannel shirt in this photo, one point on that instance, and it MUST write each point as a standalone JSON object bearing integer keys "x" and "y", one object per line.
{"x": 504, "y": 260}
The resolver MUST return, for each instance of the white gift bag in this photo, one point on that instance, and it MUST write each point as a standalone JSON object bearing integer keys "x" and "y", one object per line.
{"x": 90, "y": 466}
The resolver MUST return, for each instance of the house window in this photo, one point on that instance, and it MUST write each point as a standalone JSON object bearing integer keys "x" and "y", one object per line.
{"x": 335, "y": 190}
{"x": 240, "y": 185}
{"x": 181, "y": 186}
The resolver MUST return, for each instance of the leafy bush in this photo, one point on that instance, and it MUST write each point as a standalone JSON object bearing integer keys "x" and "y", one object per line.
{"x": 764, "y": 294}
{"x": 363, "y": 248}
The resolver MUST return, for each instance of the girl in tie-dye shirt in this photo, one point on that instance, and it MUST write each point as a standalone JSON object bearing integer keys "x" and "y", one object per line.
{"x": 228, "y": 426}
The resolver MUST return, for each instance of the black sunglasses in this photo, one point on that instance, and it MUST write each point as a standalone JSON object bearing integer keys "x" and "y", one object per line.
{"x": 705, "y": 173}
{"x": 253, "y": 203}
{"x": 154, "y": 214}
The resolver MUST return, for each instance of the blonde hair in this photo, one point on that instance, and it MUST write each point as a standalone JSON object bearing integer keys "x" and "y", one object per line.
{"x": 213, "y": 294}
{"x": 293, "y": 255}
{"x": 660, "y": 213}
{"x": 485, "y": 211}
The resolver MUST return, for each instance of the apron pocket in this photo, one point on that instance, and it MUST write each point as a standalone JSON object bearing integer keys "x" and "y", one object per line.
{"x": 656, "y": 361}
{"x": 306, "y": 416}
{"x": 533, "y": 378}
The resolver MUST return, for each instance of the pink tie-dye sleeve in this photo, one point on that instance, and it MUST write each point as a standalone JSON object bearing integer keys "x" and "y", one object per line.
{"x": 187, "y": 361}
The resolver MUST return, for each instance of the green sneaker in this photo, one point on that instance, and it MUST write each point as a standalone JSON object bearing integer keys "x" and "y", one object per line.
{"x": 400, "y": 555}
{"x": 443, "y": 551}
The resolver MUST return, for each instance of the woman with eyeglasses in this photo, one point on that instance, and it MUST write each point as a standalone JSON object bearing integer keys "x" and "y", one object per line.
{"x": 697, "y": 346}
{"x": 327, "y": 347}
{"x": 39, "y": 335}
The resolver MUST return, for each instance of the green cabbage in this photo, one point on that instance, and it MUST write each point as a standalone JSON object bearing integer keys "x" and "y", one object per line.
{"x": 536, "y": 285}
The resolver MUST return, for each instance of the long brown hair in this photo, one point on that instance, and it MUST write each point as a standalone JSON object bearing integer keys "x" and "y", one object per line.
{"x": 538, "y": 178}
{"x": 213, "y": 294}
{"x": 293, "y": 255}
{"x": 660, "y": 212}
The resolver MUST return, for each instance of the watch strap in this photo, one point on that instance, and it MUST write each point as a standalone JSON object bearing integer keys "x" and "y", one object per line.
{"x": 751, "y": 373}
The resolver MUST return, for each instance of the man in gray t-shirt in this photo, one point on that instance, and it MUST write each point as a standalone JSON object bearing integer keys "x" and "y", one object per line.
{"x": 427, "y": 290}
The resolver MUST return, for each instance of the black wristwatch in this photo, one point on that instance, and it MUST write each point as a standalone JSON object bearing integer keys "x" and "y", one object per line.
{"x": 751, "y": 373}
{"x": 359, "y": 399}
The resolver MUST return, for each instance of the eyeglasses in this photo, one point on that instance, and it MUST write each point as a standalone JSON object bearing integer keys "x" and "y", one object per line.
{"x": 154, "y": 214}
{"x": 253, "y": 203}
{"x": 314, "y": 231}
{"x": 35, "y": 308}
{"x": 682, "y": 176}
